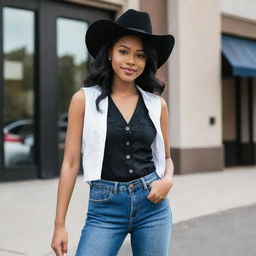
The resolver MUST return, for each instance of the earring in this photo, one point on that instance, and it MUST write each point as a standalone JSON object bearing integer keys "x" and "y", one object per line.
{"x": 109, "y": 58}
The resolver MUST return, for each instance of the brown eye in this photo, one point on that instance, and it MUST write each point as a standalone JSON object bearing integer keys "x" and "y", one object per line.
{"x": 141, "y": 56}
{"x": 123, "y": 51}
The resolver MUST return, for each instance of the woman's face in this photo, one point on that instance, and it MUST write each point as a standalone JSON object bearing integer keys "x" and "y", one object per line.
{"x": 128, "y": 58}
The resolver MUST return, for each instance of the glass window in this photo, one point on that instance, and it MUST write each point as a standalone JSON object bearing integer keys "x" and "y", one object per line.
{"x": 72, "y": 68}
{"x": 18, "y": 64}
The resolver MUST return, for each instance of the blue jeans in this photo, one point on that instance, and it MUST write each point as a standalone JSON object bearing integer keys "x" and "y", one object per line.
{"x": 118, "y": 208}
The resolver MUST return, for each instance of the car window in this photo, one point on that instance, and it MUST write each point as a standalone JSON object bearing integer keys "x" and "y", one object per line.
{"x": 27, "y": 130}
{"x": 16, "y": 130}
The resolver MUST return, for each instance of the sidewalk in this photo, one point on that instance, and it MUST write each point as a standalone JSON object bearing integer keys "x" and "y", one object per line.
{"x": 28, "y": 208}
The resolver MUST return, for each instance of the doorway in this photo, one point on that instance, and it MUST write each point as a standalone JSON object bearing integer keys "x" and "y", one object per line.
{"x": 239, "y": 122}
{"x": 44, "y": 62}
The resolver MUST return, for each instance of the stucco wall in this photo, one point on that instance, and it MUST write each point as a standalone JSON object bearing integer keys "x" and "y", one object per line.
{"x": 195, "y": 73}
{"x": 239, "y": 8}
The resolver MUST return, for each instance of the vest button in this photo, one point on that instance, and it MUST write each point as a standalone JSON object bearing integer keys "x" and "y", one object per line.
{"x": 127, "y": 143}
{"x": 131, "y": 185}
{"x": 128, "y": 156}
{"x": 127, "y": 128}
{"x": 130, "y": 170}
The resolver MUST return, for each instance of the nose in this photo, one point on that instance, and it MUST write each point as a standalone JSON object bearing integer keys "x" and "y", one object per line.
{"x": 130, "y": 60}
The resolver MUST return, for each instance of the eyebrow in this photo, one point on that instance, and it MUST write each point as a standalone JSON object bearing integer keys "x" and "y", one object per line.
{"x": 139, "y": 50}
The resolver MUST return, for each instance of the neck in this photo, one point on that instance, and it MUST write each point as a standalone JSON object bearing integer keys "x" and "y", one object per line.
{"x": 123, "y": 88}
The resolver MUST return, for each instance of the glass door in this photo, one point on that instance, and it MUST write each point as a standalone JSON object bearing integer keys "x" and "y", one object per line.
{"x": 72, "y": 69}
{"x": 67, "y": 67}
{"x": 72, "y": 58}
{"x": 17, "y": 92}
{"x": 19, "y": 96}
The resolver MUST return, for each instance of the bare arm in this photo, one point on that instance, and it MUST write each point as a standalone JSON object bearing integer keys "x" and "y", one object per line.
{"x": 160, "y": 188}
{"x": 169, "y": 168}
{"x": 69, "y": 170}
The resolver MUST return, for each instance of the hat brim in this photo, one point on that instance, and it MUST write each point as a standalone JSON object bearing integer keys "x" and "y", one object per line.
{"x": 102, "y": 31}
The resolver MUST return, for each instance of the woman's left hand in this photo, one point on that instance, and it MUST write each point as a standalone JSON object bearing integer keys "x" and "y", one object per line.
{"x": 159, "y": 189}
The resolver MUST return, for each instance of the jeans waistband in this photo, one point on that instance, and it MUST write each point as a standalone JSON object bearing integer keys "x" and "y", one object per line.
{"x": 132, "y": 185}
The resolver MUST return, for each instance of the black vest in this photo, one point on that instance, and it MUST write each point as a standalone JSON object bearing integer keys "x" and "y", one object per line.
{"x": 128, "y": 153}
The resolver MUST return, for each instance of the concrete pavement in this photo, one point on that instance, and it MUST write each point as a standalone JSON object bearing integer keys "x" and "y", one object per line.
{"x": 28, "y": 207}
{"x": 228, "y": 233}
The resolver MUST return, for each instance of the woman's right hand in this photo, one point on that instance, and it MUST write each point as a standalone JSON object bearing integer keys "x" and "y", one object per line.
{"x": 60, "y": 241}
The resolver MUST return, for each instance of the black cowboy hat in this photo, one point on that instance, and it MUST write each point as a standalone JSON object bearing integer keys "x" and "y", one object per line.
{"x": 131, "y": 22}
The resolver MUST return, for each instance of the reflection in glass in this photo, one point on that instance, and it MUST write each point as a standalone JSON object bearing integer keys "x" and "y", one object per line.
{"x": 18, "y": 47}
{"x": 72, "y": 68}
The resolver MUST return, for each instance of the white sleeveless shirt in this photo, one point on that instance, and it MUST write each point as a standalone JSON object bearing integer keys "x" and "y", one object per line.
{"x": 95, "y": 129}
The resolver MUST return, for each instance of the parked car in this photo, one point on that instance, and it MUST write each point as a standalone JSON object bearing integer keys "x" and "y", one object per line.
{"x": 19, "y": 141}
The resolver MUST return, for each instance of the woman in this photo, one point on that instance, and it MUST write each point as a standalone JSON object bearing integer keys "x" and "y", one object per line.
{"x": 121, "y": 126}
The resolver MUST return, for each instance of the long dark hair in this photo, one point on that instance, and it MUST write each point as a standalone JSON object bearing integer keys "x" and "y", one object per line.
{"x": 101, "y": 72}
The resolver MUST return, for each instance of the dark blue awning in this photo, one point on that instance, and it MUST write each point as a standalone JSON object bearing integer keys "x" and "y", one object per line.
{"x": 241, "y": 55}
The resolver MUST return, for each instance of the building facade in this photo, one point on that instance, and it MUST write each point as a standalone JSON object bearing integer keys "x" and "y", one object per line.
{"x": 212, "y": 107}
{"x": 210, "y": 99}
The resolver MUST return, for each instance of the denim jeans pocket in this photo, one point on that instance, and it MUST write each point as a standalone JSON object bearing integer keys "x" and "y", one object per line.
{"x": 99, "y": 193}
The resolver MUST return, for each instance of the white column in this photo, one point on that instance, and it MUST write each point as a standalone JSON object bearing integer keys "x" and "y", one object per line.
{"x": 194, "y": 73}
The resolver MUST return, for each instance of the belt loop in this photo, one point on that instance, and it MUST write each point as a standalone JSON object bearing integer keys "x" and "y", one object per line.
{"x": 144, "y": 183}
{"x": 115, "y": 187}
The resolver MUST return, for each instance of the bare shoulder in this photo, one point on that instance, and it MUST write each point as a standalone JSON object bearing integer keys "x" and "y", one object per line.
{"x": 78, "y": 100}
{"x": 163, "y": 102}
{"x": 164, "y": 106}
{"x": 79, "y": 96}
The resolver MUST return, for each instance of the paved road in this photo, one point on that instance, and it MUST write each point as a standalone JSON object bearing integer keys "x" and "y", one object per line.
{"x": 228, "y": 233}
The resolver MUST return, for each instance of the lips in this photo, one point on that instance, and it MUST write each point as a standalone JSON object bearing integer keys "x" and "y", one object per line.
{"x": 129, "y": 71}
